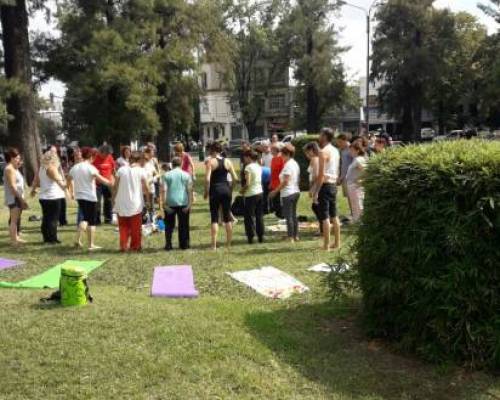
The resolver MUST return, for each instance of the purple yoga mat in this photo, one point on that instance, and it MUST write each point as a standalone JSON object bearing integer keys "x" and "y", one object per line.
{"x": 173, "y": 282}
{"x": 5, "y": 263}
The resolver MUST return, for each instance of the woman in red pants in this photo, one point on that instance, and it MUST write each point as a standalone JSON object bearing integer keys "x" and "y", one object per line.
{"x": 130, "y": 188}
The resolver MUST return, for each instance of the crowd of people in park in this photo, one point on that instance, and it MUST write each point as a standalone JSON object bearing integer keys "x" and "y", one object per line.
{"x": 136, "y": 189}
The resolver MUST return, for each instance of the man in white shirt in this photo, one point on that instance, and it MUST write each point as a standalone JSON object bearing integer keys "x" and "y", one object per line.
{"x": 329, "y": 170}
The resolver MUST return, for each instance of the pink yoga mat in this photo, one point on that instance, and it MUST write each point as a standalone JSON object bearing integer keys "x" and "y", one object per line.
{"x": 176, "y": 281}
{"x": 5, "y": 263}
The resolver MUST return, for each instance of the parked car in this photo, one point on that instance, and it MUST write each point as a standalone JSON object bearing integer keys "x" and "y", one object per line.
{"x": 258, "y": 140}
{"x": 427, "y": 133}
{"x": 453, "y": 135}
{"x": 290, "y": 137}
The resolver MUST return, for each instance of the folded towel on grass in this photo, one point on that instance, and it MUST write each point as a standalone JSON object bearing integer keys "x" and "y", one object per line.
{"x": 270, "y": 282}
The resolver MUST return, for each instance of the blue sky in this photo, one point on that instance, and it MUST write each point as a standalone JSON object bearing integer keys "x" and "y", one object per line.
{"x": 353, "y": 34}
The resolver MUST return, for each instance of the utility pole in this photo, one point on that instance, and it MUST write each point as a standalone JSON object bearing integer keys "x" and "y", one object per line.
{"x": 368, "y": 13}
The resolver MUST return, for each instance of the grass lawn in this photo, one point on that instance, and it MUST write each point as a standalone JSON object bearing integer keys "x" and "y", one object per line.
{"x": 230, "y": 343}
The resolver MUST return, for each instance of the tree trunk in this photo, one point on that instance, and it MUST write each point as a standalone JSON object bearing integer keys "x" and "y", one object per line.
{"x": 407, "y": 121}
{"x": 441, "y": 119}
{"x": 23, "y": 129}
{"x": 417, "y": 119}
{"x": 164, "y": 134}
{"x": 312, "y": 102}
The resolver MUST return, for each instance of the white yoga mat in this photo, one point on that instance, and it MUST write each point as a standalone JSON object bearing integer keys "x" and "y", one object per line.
{"x": 276, "y": 228}
{"x": 270, "y": 282}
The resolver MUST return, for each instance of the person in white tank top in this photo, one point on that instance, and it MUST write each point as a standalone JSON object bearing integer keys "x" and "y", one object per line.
{"x": 328, "y": 173}
{"x": 51, "y": 195}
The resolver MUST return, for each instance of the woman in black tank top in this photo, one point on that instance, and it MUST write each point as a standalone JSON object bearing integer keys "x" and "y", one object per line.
{"x": 218, "y": 179}
{"x": 218, "y": 191}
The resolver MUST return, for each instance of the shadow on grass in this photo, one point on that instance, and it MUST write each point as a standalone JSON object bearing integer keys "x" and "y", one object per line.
{"x": 46, "y": 306}
{"x": 333, "y": 352}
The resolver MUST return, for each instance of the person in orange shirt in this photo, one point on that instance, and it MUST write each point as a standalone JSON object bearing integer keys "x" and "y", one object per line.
{"x": 105, "y": 164}
{"x": 277, "y": 165}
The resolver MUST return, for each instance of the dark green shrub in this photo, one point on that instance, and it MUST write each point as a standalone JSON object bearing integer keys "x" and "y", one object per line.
{"x": 301, "y": 158}
{"x": 429, "y": 250}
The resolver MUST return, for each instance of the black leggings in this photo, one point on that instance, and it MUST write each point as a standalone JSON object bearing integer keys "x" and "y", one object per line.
{"x": 254, "y": 217}
{"x": 51, "y": 210}
{"x": 220, "y": 197}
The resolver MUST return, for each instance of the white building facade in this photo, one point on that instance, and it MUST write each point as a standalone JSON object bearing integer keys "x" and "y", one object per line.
{"x": 380, "y": 119}
{"x": 218, "y": 121}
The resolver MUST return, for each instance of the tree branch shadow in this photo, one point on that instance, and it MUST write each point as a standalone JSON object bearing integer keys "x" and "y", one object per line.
{"x": 334, "y": 352}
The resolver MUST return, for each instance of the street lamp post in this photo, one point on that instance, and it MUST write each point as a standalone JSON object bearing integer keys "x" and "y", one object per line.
{"x": 368, "y": 13}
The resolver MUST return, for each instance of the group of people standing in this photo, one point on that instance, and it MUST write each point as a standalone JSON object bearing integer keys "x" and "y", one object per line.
{"x": 131, "y": 186}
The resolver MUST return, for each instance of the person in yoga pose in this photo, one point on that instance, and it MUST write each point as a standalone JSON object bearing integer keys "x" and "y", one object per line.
{"x": 82, "y": 178}
{"x": 218, "y": 191}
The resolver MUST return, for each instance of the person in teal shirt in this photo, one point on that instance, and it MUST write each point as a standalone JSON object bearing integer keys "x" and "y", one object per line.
{"x": 177, "y": 200}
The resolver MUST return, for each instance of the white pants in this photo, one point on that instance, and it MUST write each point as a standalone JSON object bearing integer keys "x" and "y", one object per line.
{"x": 356, "y": 197}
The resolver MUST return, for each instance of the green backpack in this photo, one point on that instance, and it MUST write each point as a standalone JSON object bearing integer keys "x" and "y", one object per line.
{"x": 73, "y": 288}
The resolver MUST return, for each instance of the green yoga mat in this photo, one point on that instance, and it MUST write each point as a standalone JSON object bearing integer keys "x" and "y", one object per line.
{"x": 50, "y": 278}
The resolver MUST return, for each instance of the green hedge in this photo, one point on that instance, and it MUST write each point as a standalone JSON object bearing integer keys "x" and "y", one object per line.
{"x": 301, "y": 158}
{"x": 429, "y": 250}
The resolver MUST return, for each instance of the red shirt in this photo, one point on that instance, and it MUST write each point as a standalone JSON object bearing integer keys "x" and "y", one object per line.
{"x": 105, "y": 165}
{"x": 186, "y": 164}
{"x": 277, "y": 165}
